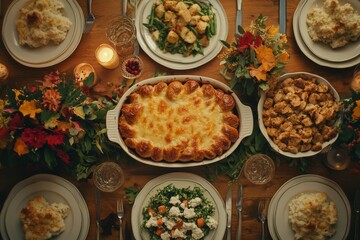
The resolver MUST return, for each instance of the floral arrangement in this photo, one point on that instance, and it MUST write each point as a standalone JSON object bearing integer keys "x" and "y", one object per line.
{"x": 255, "y": 58}
{"x": 54, "y": 123}
{"x": 349, "y": 135}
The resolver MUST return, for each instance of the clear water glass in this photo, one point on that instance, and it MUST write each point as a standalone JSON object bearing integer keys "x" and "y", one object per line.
{"x": 337, "y": 159}
{"x": 108, "y": 176}
{"x": 259, "y": 169}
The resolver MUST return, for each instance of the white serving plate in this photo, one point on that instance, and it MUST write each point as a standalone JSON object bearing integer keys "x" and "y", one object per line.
{"x": 177, "y": 61}
{"x": 47, "y": 55}
{"x": 179, "y": 180}
{"x": 81, "y": 204}
{"x": 244, "y": 113}
{"x": 52, "y": 192}
{"x": 309, "y": 54}
{"x": 263, "y": 128}
{"x": 279, "y": 226}
{"x": 322, "y": 50}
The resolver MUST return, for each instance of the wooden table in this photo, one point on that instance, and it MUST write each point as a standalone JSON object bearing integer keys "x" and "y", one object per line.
{"x": 137, "y": 173}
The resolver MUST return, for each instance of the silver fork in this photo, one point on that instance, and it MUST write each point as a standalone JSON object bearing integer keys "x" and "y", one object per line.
{"x": 120, "y": 214}
{"x": 90, "y": 18}
{"x": 262, "y": 218}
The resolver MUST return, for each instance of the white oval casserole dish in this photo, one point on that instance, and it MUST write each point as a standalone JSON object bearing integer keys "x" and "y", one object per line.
{"x": 244, "y": 113}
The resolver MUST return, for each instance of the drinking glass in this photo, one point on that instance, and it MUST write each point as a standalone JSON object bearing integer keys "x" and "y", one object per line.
{"x": 108, "y": 176}
{"x": 121, "y": 32}
{"x": 259, "y": 169}
{"x": 337, "y": 158}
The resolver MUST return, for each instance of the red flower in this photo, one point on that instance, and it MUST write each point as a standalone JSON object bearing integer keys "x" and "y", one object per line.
{"x": 63, "y": 155}
{"x": 16, "y": 122}
{"x": 35, "y": 138}
{"x": 248, "y": 40}
{"x": 3, "y": 132}
{"x": 55, "y": 139}
{"x": 31, "y": 88}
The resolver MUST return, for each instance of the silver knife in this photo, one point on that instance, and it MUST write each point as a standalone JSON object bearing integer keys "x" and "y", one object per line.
{"x": 97, "y": 206}
{"x": 357, "y": 215}
{"x": 228, "y": 204}
{"x": 282, "y": 16}
{"x": 238, "y": 15}
{"x": 239, "y": 201}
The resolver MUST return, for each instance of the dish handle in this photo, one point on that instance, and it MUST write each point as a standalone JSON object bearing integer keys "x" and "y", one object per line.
{"x": 247, "y": 122}
{"x": 112, "y": 125}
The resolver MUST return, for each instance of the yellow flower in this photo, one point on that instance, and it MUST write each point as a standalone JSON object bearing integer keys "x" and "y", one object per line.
{"x": 63, "y": 126}
{"x": 272, "y": 30}
{"x": 356, "y": 111}
{"x": 17, "y": 94}
{"x": 79, "y": 111}
{"x": 29, "y": 108}
{"x": 20, "y": 147}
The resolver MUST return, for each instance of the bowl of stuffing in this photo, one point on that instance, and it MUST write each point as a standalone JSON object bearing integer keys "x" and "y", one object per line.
{"x": 299, "y": 114}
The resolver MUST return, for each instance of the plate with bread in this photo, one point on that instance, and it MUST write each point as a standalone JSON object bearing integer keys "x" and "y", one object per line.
{"x": 312, "y": 199}
{"x": 44, "y": 206}
{"x": 42, "y": 33}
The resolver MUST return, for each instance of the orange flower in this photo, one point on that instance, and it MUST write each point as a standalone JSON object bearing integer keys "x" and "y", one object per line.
{"x": 284, "y": 57}
{"x": 20, "y": 147}
{"x": 63, "y": 126}
{"x": 51, "y": 99}
{"x": 266, "y": 57}
{"x": 356, "y": 111}
{"x": 259, "y": 73}
{"x": 29, "y": 108}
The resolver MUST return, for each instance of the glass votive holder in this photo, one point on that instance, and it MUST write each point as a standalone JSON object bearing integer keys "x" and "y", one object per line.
{"x": 108, "y": 176}
{"x": 355, "y": 82}
{"x": 337, "y": 159}
{"x": 106, "y": 56}
{"x": 122, "y": 33}
{"x": 82, "y": 71}
{"x": 259, "y": 169}
{"x": 132, "y": 67}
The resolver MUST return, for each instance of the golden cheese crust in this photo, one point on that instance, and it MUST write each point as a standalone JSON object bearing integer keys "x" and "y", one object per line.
{"x": 179, "y": 121}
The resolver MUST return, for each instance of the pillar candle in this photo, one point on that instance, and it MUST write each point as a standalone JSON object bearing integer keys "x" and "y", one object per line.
{"x": 107, "y": 56}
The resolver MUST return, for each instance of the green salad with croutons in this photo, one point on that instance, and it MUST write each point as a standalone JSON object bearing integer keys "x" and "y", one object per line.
{"x": 184, "y": 26}
{"x": 179, "y": 213}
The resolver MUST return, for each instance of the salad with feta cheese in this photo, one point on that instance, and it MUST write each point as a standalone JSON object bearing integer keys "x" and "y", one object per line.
{"x": 179, "y": 213}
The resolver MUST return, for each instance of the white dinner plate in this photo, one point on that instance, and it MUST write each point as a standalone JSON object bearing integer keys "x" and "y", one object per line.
{"x": 322, "y": 50}
{"x": 47, "y": 55}
{"x": 82, "y": 206}
{"x": 305, "y": 50}
{"x": 177, "y": 61}
{"x": 278, "y": 224}
{"x": 179, "y": 180}
{"x": 53, "y": 193}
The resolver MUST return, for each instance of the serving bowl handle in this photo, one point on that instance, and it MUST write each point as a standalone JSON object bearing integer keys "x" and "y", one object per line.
{"x": 112, "y": 125}
{"x": 247, "y": 121}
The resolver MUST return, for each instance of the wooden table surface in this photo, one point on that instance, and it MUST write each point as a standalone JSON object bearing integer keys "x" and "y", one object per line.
{"x": 138, "y": 173}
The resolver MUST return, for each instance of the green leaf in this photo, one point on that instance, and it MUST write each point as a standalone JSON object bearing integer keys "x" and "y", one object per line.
{"x": 89, "y": 80}
{"x": 227, "y": 45}
{"x": 50, "y": 158}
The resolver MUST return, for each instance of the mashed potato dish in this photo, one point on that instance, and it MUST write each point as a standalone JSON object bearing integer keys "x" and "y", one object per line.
{"x": 312, "y": 216}
{"x": 42, "y": 220}
{"x": 42, "y": 22}
{"x": 334, "y": 24}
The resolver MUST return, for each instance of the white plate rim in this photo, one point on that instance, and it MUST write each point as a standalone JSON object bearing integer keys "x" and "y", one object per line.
{"x": 55, "y": 179}
{"x": 308, "y": 53}
{"x": 288, "y": 184}
{"x": 244, "y": 112}
{"x": 74, "y": 42}
{"x": 321, "y": 50}
{"x": 189, "y": 178}
{"x": 161, "y": 58}
{"x": 72, "y": 221}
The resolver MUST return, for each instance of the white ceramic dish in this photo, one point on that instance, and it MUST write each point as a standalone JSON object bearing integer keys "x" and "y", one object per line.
{"x": 179, "y": 179}
{"x": 279, "y": 226}
{"x": 321, "y": 50}
{"x": 48, "y": 55}
{"x": 52, "y": 192}
{"x": 244, "y": 112}
{"x": 81, "y": 204}
{"x": 263, "y": 128}
{"x": 177, "y": 61}
{"x": 305, "y": 50}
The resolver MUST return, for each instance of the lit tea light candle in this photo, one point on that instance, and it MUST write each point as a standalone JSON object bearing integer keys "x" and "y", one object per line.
{"x": 107, "y": 56}
{"x": 82, "y": 71}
